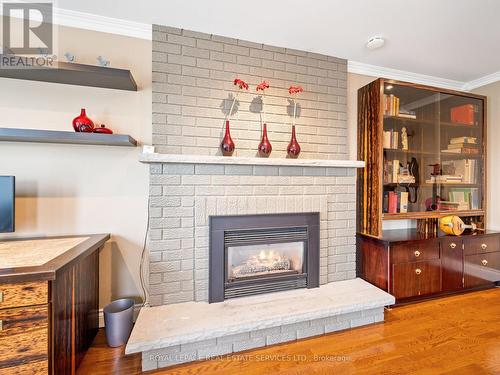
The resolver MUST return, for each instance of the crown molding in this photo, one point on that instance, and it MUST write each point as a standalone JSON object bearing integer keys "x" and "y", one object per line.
{"x": 102, "y": 24}
{"x": 482, "y": 81}
{"x": 88, "y": 21}
{"x": 401, "y": 75}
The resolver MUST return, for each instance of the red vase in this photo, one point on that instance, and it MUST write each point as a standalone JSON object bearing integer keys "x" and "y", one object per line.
{"x": 82, "y": 123}
{"x": 265, "y": 147}
{"x": 293, "y": 149}
{"x": 227, "y": 144}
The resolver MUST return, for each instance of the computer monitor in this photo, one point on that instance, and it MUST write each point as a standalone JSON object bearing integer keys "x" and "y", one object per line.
{"x": 7, "y": 196}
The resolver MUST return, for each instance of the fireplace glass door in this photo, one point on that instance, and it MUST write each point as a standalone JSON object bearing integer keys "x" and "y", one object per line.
{"x": 265, "y": 260}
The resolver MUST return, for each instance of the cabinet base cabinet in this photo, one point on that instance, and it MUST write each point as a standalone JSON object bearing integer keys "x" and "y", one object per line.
{"x": 46, "y": 326}
{"x": 411, "y": 267}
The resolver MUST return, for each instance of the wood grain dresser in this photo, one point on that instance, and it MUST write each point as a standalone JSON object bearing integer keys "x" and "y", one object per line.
{"x": 49, "y": 300}
{"x": 411, "y": 266}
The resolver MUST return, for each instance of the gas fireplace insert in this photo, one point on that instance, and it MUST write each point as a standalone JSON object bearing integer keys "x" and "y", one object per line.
{"x": 255, "y": 254}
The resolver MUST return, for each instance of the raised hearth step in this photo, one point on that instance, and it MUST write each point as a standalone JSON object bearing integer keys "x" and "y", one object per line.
{"x": 184, "y": 332}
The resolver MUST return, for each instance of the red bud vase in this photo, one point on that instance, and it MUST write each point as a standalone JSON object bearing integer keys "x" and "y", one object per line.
{"x": 227, "y": 144}
{"x": 82, "y": 123}
{"x": 293, "y": 149}
{"x": 265, "y": 147}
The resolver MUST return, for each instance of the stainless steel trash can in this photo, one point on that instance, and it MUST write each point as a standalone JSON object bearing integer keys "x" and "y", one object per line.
{"x": 118, "y": 321}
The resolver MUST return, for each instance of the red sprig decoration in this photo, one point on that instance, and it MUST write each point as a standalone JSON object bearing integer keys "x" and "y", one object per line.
{"x": 241, "y": 84}
{"x": 262, "y": 86}
{"x": 295, "y": 90}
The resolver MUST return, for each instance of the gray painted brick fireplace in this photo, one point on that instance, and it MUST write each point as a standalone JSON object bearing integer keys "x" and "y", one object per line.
{"x": 193, "y": 75}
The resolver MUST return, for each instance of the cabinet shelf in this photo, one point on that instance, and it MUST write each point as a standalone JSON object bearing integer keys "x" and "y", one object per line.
{"x": 431, "y": 123}
{"x": 65, "y": 137}
{"x": 430, "y": 214}
{"x": 75, "y": 74}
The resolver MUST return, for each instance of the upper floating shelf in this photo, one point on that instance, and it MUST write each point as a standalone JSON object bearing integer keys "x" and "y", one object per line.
{"x": 76, "y": 74}
{"x": 66, "y": 137}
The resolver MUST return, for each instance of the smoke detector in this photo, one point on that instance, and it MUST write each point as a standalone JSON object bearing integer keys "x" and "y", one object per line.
{"x": 375, "y": 42}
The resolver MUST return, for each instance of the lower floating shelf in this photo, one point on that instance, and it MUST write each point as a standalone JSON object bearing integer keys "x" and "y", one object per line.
{"x": 430, "y": 214}
{"x": 65, "y": 137}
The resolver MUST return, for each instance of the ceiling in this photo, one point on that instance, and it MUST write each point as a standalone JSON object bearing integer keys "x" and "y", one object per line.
{"x": 452, "y": 39}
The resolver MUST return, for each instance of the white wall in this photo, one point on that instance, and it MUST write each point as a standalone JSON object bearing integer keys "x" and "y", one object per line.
{"x": 71, "y": 189}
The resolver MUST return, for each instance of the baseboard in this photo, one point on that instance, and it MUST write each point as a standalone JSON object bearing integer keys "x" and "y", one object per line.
{"x": 137, "y": 308}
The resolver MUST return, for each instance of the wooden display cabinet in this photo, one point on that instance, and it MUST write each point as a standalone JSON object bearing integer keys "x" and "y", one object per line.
{"x": 425, "y": 154}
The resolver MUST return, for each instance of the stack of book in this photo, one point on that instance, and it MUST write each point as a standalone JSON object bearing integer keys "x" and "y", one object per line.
{"x": 451, "y": 206}
{"x": 463, "y": 145}
{"x": 391, "y": 139}
{"x": 466, "y": 198}
{"x": 445, "y": 179}
{"x": 392, "y": 108}
{"x": 391, "y": 171}
{"x": 463, "y": 170}
{"x": 395, "y": 202}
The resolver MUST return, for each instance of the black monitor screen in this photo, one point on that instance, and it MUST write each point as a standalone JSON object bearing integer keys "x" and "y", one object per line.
{"x": 7, "y": 193}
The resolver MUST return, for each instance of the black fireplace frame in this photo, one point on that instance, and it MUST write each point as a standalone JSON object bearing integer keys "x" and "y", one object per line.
{"x": 220, "y": 224}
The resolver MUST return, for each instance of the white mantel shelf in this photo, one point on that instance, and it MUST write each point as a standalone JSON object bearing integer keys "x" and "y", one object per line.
{"x": 203, "y": 159}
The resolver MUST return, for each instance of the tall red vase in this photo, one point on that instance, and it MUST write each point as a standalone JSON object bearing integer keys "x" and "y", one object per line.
{"x": 265, "y": 147}
{"x": 293, "y": 149}
{"x": 227, "y": 144}
{"x": 82, "y": 123}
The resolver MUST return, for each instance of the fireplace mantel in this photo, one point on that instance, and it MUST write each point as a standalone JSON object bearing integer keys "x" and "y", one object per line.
{"x": 205, "y": 159}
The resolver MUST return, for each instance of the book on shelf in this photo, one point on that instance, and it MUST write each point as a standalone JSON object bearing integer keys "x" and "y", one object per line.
{"x": 395, "y": 170}
{"x": 466, "y": 198}
{"x": 395, "y": 202}
{"x": 403, "y": 202}
{"x": 463, "y": 140}
{"x": 449, "y": 206}
{"x": 392, "y": 108}
{"x": 443, "y": 179}
{"x": 453, "y": 146}
{"x": 391, "y": 139}
{"x": 467, "y": 114}
{"x": 462, "y": 150}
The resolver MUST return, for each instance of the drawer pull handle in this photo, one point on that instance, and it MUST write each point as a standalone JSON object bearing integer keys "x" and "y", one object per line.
{"x": 1, "y": 325}
{"x": 484, "y": 262}
{"x": 1, "y": 297}
{"x": 484, "y": 246}
{"x": 453, "y": 245}
{"x": 417, "y": 253}
{"x": 418, "y": 271}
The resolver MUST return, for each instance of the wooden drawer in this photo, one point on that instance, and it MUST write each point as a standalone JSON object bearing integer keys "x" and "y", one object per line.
{"x": 23, "y": 294}
{"x": 481, "y": 269}
{"x": 416, "y": 279}
{"x": 481, "y": 245}
{"x": 23, "y": 319}
{"x": 33, "y": 368}
{"x": 415, "y": 252}
{"x": 24, "y": 339}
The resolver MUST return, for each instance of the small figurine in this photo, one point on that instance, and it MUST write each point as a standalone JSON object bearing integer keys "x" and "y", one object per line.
{"x": 102, "y": 61}
{"x": 404, "y": 138}
{"x": 69, "y": 57}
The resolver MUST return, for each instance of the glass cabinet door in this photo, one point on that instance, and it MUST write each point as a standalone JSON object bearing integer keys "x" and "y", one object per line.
{"x": 433, "y": 153}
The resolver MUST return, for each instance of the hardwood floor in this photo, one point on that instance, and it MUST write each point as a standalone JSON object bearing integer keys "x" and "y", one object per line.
{"x": 453, "y": 335}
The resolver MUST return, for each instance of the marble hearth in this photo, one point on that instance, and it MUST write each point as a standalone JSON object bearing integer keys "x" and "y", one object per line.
{"x": 185, "y": 332}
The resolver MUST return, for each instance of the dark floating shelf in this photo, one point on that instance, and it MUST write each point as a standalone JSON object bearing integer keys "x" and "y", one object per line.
{"x": 66, "y": 137}
{"x": 75, "y": 74}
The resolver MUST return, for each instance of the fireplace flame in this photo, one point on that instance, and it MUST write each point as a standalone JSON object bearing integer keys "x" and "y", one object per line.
{"x": 265, "y": 262}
